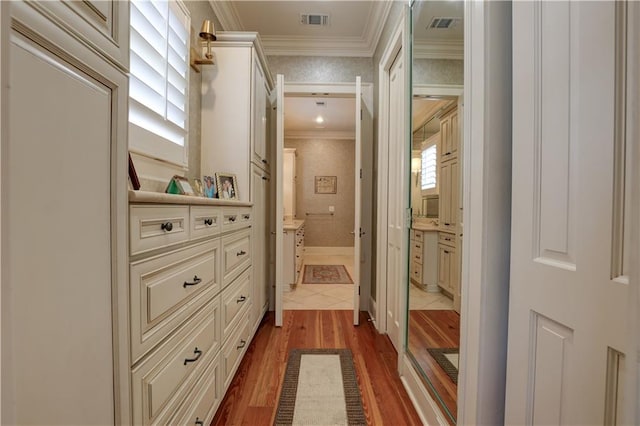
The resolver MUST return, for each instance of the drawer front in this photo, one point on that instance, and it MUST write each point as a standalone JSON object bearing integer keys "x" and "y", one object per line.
{"x": 233, "y": 350}
{"x": 156, "y": 381}
{"x": 416, "y": 251}
{"x": 236, "y": 218}
{"x": 447, "y": 238}
{"x": 201, "y": 404}
{"x": 417, "y": 235}
{"x": 236, "y": 299}
{"x": 236, "y": 255}
{"x": 416, "y": 272}
{"x": 153, "y": 227}
{"x": 205, "y": 221}
{"x": 166, "y": 289}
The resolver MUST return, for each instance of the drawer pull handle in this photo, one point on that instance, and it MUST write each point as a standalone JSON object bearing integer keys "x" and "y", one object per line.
{"x": 446, "y": 251}
{"x": 167, "y": 226}
{"x": 417, "y": 246}
{"x": 264, "y": 178}
{"x": 246, "y": 217}
{"x": 264, "y": 161}
{"x": 241, "y": 299}
{"x": 199, "y": 422}
{"x": 197, "y": 353}
{"x": 241, "y": 253}
{"x": 232, "y": 218}
{"x": 208, "y": 222}
{"x": 242, "y": 344}
{"x": 196, "y": 281}
{"x": 447, "y": 224}
{"x": 447, "y": 239}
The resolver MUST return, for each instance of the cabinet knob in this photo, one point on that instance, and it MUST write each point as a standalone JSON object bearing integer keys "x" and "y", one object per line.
{"x": 196, "y": 280}
{"x": 264, "y": 178}
{"x": 167, "y": 226}
{"x": 264, "y": 161}
{"x": 208, "y": 221}
{"x": 197, "y": 352}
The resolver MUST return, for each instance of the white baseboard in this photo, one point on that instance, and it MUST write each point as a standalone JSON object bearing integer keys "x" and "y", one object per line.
{"x": 373, "y": 307}
{"x": 427, "y": 408}
{"x": 328, "y": 251}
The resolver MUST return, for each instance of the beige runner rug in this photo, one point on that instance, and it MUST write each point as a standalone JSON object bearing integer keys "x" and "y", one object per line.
{"x": 320, "y": 388}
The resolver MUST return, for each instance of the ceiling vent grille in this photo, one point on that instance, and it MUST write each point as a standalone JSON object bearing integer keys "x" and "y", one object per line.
{"x": 443, "y": 23}
{"x": 321, "y": 104}
{"x": 314, "y": 19}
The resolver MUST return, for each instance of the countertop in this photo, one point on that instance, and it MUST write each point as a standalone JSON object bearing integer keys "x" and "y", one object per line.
{"x": 163, "y": 198}
{"x": 293, "y": 225}
{"x": 425, "y": 225}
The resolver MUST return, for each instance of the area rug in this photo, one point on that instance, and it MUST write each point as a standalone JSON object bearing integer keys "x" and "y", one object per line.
{"x": 448, "y": 359}
{"x": 325, "y": 274}
{"x": 320, "y": 388}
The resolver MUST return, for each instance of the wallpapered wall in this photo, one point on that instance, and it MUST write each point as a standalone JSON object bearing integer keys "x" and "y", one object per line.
{"x": 322, "y": 157}
{"x": 321, "y": 69}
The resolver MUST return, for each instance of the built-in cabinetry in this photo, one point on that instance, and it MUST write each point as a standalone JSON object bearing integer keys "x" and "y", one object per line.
{"x": 191, "y": 304}
{"x": 64, "y": 104}
{"x": 293, "y": 252}
{"x": 449, "y": 264}
{"x": 289, "y": 183}
{"x": 424, "y": 259}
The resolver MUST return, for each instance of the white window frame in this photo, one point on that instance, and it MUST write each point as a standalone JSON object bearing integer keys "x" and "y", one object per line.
{"x": 433, "y": 141}
{"x": 158, "y": 144}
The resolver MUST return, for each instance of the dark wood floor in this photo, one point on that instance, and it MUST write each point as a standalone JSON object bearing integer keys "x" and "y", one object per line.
{"x": 435, "y": 329}
{"x": 252, "y": 398}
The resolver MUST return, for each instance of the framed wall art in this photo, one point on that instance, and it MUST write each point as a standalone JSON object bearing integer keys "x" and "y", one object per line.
{"x": 326, "y": 184}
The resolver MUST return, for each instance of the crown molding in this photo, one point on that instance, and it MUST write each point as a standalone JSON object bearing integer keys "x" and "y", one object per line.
{"x": 439, "y": 49}
{"x": 227, "y": 14}
{"x": 319, "y": 134}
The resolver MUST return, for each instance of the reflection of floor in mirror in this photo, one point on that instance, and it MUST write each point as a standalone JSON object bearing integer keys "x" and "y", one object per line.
{"x": 420, "y": 299}
{"x": 321, "y": 296}
{"x": 435, "y": 329}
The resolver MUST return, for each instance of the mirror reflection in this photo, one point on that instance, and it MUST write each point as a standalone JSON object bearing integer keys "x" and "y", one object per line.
{"x": 436, "y": 188}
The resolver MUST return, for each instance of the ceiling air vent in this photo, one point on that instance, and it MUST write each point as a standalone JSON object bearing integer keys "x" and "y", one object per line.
{"x": 321, "y": 104}
{"x": 443, "y": 23}
{"x": 315, "y": 19}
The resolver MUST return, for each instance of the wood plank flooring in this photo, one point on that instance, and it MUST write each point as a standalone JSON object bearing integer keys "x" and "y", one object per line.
{"x": 252, "y": 398}
{"x": 435, "y": 329}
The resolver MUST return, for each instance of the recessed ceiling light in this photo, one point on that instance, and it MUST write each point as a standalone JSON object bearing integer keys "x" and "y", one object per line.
{"x": 319, "y": 119}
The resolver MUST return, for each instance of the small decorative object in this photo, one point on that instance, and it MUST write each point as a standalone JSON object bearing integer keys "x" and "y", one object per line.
{"x": 326, "y": 184}
{"x": 197, "y": 187}
{"x": 209, "y": 187}
{"x": 135, "y": 182}
{"x": 179, "y": 185}
{"x": 227, "y": 186}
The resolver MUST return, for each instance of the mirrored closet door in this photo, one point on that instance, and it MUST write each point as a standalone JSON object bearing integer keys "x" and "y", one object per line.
{"x": 436, "y": 186}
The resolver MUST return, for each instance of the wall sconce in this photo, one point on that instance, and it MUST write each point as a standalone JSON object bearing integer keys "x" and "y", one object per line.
{"x": 208, "y": 34}
{"x": 416, "y": 166}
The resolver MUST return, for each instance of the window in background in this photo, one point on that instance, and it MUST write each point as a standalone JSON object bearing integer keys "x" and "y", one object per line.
{"x": 159, "y": 80}
{"x": 429, "y": 164}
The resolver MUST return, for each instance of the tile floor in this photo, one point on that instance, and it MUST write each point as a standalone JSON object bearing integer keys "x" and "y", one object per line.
{"x": 421, "y": 300}
{"x": 321, "y": 296}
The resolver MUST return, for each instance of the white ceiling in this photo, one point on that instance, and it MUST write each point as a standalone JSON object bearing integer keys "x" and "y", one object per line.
{"x": 438, "y": 43}
{"x": 300, "y": 115}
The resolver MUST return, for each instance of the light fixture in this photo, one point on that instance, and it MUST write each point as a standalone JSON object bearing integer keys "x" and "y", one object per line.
{"x": 416, "y": 165}
{"x": 208, "y": 34}
{"x": 319, "y": 119}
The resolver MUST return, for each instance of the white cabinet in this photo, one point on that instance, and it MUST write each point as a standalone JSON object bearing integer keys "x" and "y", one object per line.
{"x": 449, "y": 195}
{"x": 64, "y": 154}
{"x": 234, "y": 99}
{"x": 450, "y": 136}
{"x": 260, "y": 240}
{"x": 293, "y": 252}
{"x": 449, "y": 266}
{"x": 424, "y": 259}
{"x": 289, "y": 183}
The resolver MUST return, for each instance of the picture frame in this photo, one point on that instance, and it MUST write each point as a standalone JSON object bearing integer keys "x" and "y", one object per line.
{"x": 209, "y": 187}
{"x": 179, "y": 185}
{"x": 197, "y": 187}
{"x": 227, "y": 186}
{"x": 326, "y": 184}
{"x": 133, "y": 175}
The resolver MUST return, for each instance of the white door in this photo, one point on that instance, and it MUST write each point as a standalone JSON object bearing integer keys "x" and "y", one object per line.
{"x": 569, "y": 245}
{"x": 358, "y": 211}
{"x": 278, "y": 189}
{"x": 396, "y": 200}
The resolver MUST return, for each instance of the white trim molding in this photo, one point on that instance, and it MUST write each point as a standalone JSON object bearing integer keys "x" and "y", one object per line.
{"x": 439, "y": 49}
{"x": 319, "y": 134}
{"x": 227, "y": 14}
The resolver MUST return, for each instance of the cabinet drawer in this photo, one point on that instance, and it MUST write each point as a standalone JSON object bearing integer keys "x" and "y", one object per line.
{"x": 234, "y": 348}
{"x": 417, "y": 235}
{"x": 447, "y": 238}
{"x": 205, "y": 221}
{"x": 236, "y": 299}
{"x": 236, "y": 254}
{"x": 166, "y": 289}
{"x": 156, "y": 381}
{"x": 236, "y": 218}
{"x": 201, "y": 403}
{"x": 153, "y": 227}
{"x": 416, "y": 251}
{"x": 416, "y": 272}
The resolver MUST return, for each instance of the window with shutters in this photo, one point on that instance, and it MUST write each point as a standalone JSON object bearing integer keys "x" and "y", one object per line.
{"x": 159, "y": 80}
{"x": 429, "y": 165}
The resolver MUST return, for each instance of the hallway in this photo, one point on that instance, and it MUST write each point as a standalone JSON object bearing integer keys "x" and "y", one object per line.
{"x": 252, "y": 397}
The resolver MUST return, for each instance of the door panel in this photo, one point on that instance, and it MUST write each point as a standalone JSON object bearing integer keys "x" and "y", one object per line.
{"x": 279, "y": 229}
{"x": 357, "y": 234}
{"x": 566, "y": 312}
